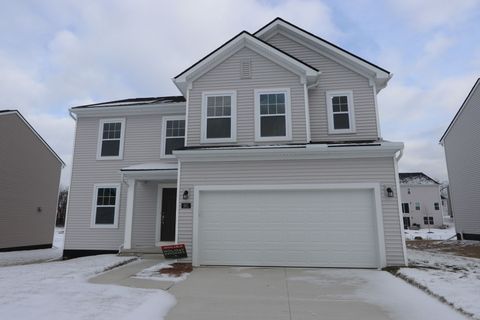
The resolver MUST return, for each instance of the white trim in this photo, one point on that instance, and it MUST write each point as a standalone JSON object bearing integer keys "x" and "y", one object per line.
{"x": 379, "y": 131}
{"x": 94, "y": 205}
{"x": 351, "y": 111}
{"x": 177, "y": 206}
{"x": 288, "y": 114}
{"x": 127, "y": 242}
{"x": 158, "y": 226}
{"x": 375, "y": 187}
{"x": 164, "y": 135}
{"x": 307, "y": 113}
{"x": 186, "y": 116}
{"x": 100, "y": 138}
{"x": 233, "y": 117}
{"x": 399, "y": 204}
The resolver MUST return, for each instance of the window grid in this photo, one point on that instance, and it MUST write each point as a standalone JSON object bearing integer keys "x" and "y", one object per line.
{"x": 428, "y": 220}
{"x": 175, "y": 128}
{"x": 112, "y": 130}
{"x": 272, "y": 104}
{"x": 106, "y": 197}
{"x": 339, "y": 110}
{"x": 219, "y": 106}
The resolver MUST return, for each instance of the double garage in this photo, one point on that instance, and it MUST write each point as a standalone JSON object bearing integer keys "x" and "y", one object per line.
{"x": 297, "y": 225}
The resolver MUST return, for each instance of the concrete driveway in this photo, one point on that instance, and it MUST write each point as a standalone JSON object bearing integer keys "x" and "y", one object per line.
{"x": 291, "y": 293}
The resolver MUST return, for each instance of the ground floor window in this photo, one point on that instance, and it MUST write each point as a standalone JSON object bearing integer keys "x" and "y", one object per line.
{"x": 428, "y": 220}
{"x": 105, "y": 205}
{"x": 405, "y": 207}
{"x": 406, "y": 222}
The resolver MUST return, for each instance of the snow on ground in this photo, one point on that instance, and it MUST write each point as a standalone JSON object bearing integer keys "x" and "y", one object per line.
{"x": 153, "y": 273}
{"x": 34, "y": 256}
{"x": 453, "y": 278}
{"x": 59, "y": 290}
{"x": 433, "y": 234}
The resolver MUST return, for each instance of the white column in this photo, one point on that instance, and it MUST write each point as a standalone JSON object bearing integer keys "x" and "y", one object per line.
{"x": 129, "y": 214}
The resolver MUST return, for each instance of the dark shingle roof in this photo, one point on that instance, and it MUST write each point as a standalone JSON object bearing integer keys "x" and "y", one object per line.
{"x": 135, "y": 101}
{"x": 415, "y": 178}
{"x": 3, "y": 111}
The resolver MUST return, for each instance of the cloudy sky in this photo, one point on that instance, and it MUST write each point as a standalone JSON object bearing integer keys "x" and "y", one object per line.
{"x": 58, "y": 54}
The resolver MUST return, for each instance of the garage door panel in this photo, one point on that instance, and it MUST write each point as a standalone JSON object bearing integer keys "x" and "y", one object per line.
{"x": 334, "y": 228}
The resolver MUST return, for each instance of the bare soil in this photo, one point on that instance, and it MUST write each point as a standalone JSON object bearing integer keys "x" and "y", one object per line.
{"x": 469, "y": 249}
{"x": 177, "y": 269}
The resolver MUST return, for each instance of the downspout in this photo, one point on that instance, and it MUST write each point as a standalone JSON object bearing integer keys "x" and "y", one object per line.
{"x": 397, "y": 157}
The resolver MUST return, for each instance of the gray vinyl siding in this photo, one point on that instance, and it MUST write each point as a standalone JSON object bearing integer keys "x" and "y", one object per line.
{"x": 226, "y": 76}
{"x": 29, "y": 178}
{"x": 378, "y": 170}
{"x": 462, "y": 151}
{"x": 334, "y": 76}
{"x": 142, "y": 145}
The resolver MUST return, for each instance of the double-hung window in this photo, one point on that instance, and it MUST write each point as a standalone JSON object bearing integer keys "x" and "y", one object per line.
{"x": 110, "y": 139}
{"x": 436, "y": 205}
{"x": 173, "y": 134}
{"x": 272, "y": 115}
{"x": 405, "y": 207}
{"x": 106, "y": 199}
{"x": 219, "y": 111}
{"x": 428, "y": 220}
{"x": 341, "y": 117}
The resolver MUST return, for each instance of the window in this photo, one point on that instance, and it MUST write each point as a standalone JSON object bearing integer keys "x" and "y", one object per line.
{"x": 105, "y": 206}
{"x": 417, "y": 206}
{"x": 427, "y": 220}
{"x": 406, "y": 222}
{"x": 219, "y": 117}
{"x": 436, "y": 205}
{"x": 110, "y": 139}
{"x": 272, "y": 115}
{"x": 405, "y": 208}
{"x": 173, "y": 137}
{"x": 340, "y": 112}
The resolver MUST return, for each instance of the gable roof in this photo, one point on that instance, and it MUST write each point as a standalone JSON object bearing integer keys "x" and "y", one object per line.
{"x": 16, "y": 112}
{"x": 135, "y": 101}
{"x": 416, "y": 178}
{"x": 465, "y": 102}
{"x": 241, "y": 40}
{"x": 381, "y": 75}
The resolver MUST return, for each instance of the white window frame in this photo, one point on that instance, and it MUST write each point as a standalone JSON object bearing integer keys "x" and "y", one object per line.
{"x": 233, "y": 117}
{"x": 164, "y": 134}
{"x": 351, "y": 111}
{"x": 288, "y": 114}
{"x": 94, "y": 205}
{"x": 100, "y": 139}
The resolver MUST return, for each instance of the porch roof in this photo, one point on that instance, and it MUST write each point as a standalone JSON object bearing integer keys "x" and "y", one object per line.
{"x": 151, "y": 171}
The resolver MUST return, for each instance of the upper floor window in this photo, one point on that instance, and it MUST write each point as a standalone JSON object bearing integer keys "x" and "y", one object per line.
{"x": 219, "y": 111}
{"x": 110, "y": 139}
{"x": 106, "y": 199}
{"x": 173, "y": 137}
{"x": 436, "y": 205}
{"x": 340, "y": 111}
{"x": 272, "y": 115}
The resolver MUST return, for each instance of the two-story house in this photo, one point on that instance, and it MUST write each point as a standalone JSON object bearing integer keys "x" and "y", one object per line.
{"x": 422, "y": 205}
{"x": 272, "y": 156}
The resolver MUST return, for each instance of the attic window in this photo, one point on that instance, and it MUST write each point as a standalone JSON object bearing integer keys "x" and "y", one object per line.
{"x": 246, "y": 69}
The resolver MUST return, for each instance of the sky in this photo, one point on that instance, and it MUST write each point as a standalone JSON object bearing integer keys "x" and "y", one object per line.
{"x": 58, "y": 54}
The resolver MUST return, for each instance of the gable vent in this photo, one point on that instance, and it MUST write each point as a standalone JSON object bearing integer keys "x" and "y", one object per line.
{"x": 246, "y": 69}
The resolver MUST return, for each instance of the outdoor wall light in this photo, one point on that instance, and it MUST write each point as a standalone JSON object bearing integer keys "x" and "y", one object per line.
{"x": 389, "y": 192}
{"x": 185, "y": 195}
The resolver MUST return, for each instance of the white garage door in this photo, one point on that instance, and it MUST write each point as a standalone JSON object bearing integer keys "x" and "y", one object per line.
{"x": 311, "y": 228}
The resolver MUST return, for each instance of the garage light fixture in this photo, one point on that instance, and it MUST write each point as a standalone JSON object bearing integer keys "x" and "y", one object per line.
{"x": 185, "y": 195}
{"x": 389, "y": 192}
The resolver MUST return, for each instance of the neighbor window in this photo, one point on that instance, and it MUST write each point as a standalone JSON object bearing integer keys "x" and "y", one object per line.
{"x": 110, "y": 139}
{"x": 417, "y": 205}
{"x": 173, "y": 135}
{"x": 436, "y": 205}
{"x": 219, "y": 117}
{"x": 428, "y": 220}
{"x": 272, "y": 113}
{"x": 405, "y": 208}
{"x": 105, "y": 206}
{"x": 340, "y": 112}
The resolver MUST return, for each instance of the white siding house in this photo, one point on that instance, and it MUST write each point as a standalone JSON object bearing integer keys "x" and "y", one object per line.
{"x": 462, "y": 152}
{"x": 272, "y": 156}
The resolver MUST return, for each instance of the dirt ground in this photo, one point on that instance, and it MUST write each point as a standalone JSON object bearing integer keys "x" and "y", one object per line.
{"x": 177, "y": 269}
{"x": 464, "y": 248}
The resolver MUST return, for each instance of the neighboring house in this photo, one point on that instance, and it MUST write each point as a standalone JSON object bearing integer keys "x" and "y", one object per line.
{"x": 29, "y": 180}
{"x": 272, "y": 156}
{"x": 462, "y": 152}
{"x": 421, "y": 201}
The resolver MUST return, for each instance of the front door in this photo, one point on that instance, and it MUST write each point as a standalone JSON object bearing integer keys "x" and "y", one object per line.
{"x": 167, "y": 217}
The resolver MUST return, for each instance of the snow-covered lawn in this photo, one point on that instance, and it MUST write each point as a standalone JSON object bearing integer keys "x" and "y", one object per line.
{"x": 432, "y": 234}
{"x": 35, "y": 256}
{"x": 59, "y": 290}
{"x": 454, "y": 279}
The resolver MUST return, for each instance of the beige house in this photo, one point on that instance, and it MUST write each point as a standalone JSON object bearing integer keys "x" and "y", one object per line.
{"x": 29, "y": 182}
{"x": 271, "y": 156}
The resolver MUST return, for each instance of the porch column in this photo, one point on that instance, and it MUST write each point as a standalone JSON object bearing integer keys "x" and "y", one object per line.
{"x": 129, "y": 214}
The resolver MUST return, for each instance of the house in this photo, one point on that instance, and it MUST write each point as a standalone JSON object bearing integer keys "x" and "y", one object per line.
{"x": 422, "y": 205}
{"x": 462, "y": 150}
{"x": 272, "y": 156}
{"x": 29, "y": 181}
